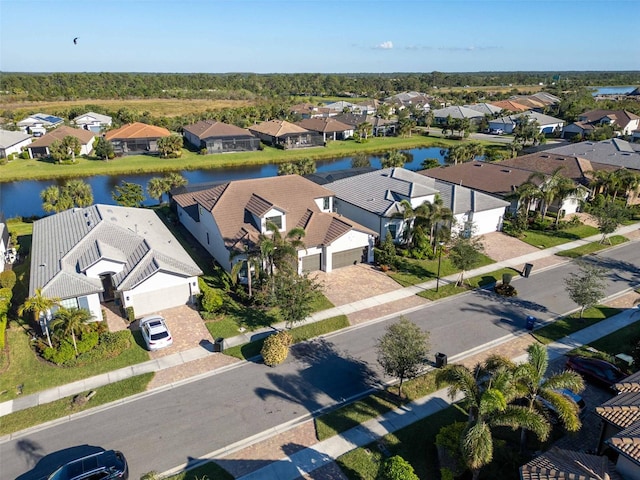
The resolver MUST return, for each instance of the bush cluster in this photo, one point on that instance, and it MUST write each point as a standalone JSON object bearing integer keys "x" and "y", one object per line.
{"x": 397, "y": 468}
{"x": 211, "y": 299}
{"x": 92, "y": 347}
{"x": 276, "y": 348}
{"x": 505, "y": 290}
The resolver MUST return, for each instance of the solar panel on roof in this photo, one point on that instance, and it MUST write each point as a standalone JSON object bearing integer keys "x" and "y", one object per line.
{"x": 50, "y": 119}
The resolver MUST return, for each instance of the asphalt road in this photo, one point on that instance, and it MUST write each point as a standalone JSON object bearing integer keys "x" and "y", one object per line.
{"x": 171, "y": 427}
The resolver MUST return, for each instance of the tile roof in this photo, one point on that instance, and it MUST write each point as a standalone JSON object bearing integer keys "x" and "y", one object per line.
{"x": 324, "y": 125}
{"x": 560, "y": 464}
{"x": 277, "y": 128}
{"x": 457, "y": 112}
{"x": 211, "y": 128}
{"x": 104, "y": 119}
{"x": 623, "y": 410}
{"x": 85, "y": 136}
{"x": 546, "y": 162}
{"x": 510, "y": 105}
{"x": 629, "y": 384}
{"x": 137, "y": 130}
{"x": 292, "y": 194}
{"x": 613, "y": 152}
{"x": 621, "y": 117}
{"x": 381, "y": 192}
{"x": 627, "y": 442}
{"x": 532, "y": 116}
{"x": 9, "y": 138}
{"x": 67, "y": 243}
{"x": 484, "y": 108}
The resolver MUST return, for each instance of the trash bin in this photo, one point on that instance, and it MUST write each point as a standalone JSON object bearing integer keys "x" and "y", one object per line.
{"x": 218, "y": 345}
{"x": 531, "y": 322}
{"x": 441, "y": 360}
{"x": 527, "y": 270}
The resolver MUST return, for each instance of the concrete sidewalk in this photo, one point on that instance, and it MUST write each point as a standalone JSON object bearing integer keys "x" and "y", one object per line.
{"x": 323, "y": 453}
{"x": 196, "y": 353}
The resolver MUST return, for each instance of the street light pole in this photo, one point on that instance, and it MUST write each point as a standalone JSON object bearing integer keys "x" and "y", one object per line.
{"x": 440, "y": 244}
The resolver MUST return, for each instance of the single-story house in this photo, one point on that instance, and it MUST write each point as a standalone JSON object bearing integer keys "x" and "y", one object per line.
{"x": 40, "y": 147}
{"x": 39, "y": 124}
{"x": 626, "y": 121}
{"x": 13, "y": 142}
{"x": 486, "y": 109}
{"x": 340, "y": 106}
{"x": 546, "y": 123}
{"x": 613, "y": 152}
{"x": 577, "y": 129}
{"x": 441, "y": 115}
{"x": 285, "y": 135}
{"x": 510, "y": 106}
{"x": 136, "y": 138}
{"x": 309, "y": 110}
{"x": 107, "y": 253}
{"x": 380, "y": 127}
{"x": 4, "y": 241}
{"x": 374, "y": 199}
{"x": 330, "y": 128}
{"x": 218, "y": 137}
{"x": 96, "y": 122}
{"x": 368, "y": 107}
{"x": 229, "y": 218}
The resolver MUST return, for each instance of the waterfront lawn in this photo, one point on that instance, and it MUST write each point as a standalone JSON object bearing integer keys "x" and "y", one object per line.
{"x": 410, "y": 271}
{"x": 565, "y": 326}
{"x": 592, "y": 247}
{"x": 551, "y": 238}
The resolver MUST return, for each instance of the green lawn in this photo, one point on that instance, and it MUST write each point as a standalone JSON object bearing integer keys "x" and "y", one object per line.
{"x": 27, "y": 369}
{"x": 299, "y": 334}
{"x": 206, "y": 471}
{"x": 592, "y": 247}
{"x": 484, "y": 280}
{"x": 551, "y": 238}
{"x": 410, "y": 271}
{"x": 567, "y": 325}
{"x": 620, "y": 341}
{"x": 31, "y": 417}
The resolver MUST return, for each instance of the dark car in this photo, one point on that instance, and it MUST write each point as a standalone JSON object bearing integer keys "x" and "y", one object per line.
{"x": 596, "y": 371}
{"x": 105, "y": 465}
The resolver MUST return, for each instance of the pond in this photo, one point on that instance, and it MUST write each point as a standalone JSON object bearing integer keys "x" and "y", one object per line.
{"x": 23, "y": 198}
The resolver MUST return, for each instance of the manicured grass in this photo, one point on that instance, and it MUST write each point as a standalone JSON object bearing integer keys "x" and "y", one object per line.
{"x": 415, "y": 443}
{"x": 620, "y": 341}
{"x": 592, "y": 247}
{"x": 474, "y": 282}
{"x": 33, "y": 169}
{"x": 372, "y": 406}
{"x": 31, "y": 417}
{"x": 412, "y": 272}
{"x": 551, "y": 238}
{"x": 27, "y": 369}
{"x": 567, "y": 325}
{"x": 207, "y": 471}
{"x": 299, "y": 334}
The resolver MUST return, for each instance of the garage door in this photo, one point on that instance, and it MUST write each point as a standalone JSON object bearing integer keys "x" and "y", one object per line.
{"x": 145, "y": 303}
{"x": 311, "y": 263}
{"x": 347, "y": 257}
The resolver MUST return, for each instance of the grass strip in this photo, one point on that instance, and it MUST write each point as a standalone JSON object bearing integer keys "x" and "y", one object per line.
{"x": 478, "y": 281}
{"x": 372, "y": 406}
{"x": 565, "y": 326}
{"x": 412, "y": 272}
{"x": 547, "y": 239}
{"x": 206, "y": 471}
{"x": 607, "y": 347}
{"x": 33, "y": 416}
{"x": 299, "y": 334}
{"x": 592, "y": 247}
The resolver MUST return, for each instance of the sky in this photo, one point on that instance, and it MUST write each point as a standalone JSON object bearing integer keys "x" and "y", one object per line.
{"x": 329, "y": 36}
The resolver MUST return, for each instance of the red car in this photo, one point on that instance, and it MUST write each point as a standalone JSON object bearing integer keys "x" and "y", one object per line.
{"x": 595, "y": 370}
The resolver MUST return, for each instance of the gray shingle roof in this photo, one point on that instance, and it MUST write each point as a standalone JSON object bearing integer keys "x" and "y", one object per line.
{"x": 67, "y": 243}
{"x": 9, "y": 138}
{"x": 381, "y": 192}
{"x": 616, "y": 152}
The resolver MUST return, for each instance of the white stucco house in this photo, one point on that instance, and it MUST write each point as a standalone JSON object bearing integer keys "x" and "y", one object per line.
{"x": 227, "y": 219}
{"x": 40, "y": 148}
{"x": 95, "y": 122}
{"x": 546, "y": 123}
{"x": 13, "y": 142}
{"x": 39, "y": 124}
{"x": 374, "y": 199}
{"x": 107, "y": 253}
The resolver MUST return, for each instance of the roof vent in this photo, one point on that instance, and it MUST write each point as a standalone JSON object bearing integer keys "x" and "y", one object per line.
{"x": 505, "y": 170}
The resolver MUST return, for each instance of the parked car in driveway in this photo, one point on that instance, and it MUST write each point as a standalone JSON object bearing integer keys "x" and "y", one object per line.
{"x": 105, "y": 465}
{"x": 596, "y": 370}
{"x": 155, "y": 332}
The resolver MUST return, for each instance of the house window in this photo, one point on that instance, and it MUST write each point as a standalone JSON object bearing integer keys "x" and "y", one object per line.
{"x": 69, "y": 303}
{"x": 276, "y": 220}
{"x": 392, "y": 228}
{"x": 326, "y": 204}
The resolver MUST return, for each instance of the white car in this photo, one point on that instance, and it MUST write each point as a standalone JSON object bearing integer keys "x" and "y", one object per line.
{"x": 155, "y": 332}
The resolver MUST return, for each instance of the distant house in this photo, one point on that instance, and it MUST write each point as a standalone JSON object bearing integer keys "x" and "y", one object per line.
{"x": 577, "y": 129}
{"x": 547, "y": 124}
{"x": 510, "y": 106}
{"x": 96, "y": 122}
{"x": 286, "y": 135}
{"x": 380, "y": 127}
{"x": 107, "y": 253}
{"x": 441, "y": 115}
{"x": 340, "y": 106}
{"x": 39, "y": 124}
{"x": 13, "y": 142}
{"x": 329, "y": 128}
{"x": 623, "y": 120}
{"x": 40, "y": 147}
{"x": 418, "y": 100}
{"x": 229, "y": 218}
{"x": 136, "y": 138}
{"x": 374, "y": 200}
{"x": 486, "y": 109}
{"x": 218, "y": 137}
{"x": 368, "y": 107}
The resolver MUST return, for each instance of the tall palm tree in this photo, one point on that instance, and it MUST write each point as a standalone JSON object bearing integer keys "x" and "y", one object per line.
{"x": 564, "y": 188}
{"x": 437, "y": 214}
{"x": 629, "y": 183}
{"x": 157, "y": 187}
{"x": 79, "y": 192}
{"x": 72, "y": 321}
{"x": 487, "y": 391}
{"x": 525, "y": 193}
{"x": 250, "y": 260}
{"x": 54, "y": 199}
{"x": 549, "y": 187}
{"x": 413, "y": 218}
{"x": 39, "y": 304}
{"x": 533, "y": 385}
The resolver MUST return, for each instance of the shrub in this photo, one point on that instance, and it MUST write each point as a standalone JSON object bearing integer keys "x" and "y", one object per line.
{"x": 203, "y": 151}
{"x": 505, "y": 290}
{"x": 87, "y": 342}
{"x": 131, "y": 316}
{"x": 60, "y": 355}
{"x": 24, "y": 155}
{"x": 3, "y": 329}
{"x": 448, "y": 441}
{"x": 8, "y": 279}
{"x": 397, "y": 468}
{"x": 211, "y": 299}
{"x": 4, "y": 161}
{"x": 276, "y": 348}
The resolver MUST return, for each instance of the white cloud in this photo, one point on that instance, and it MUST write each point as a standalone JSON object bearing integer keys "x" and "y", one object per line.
{"x": 388, "y": 45}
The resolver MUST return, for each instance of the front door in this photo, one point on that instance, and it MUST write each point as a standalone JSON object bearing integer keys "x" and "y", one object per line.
{"x": 107, "y": 285}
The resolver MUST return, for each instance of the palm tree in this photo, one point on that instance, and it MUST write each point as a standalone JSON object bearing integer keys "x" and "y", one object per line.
{"x": 54, "y": 199}
{"x": 549, "y": 188}
{"x": 393, "y": 159}
{"x": 413, "y": 218}
{"x": 564, "y": 188}
{"x": 250, "y": 260}
{"x": 72, "y": 321}
{"x": 437, "y": 214}
{"x": 534, "y": 386}
{"x": 39, "y": 304}
{"x": 285, "y": 248}
{"x": 79, "y": 192}
{"x": 157, "y": 187}
{"x": 488, "y": 390}
{"x": 629, "y": 182}
{"x": 525, "y": 193}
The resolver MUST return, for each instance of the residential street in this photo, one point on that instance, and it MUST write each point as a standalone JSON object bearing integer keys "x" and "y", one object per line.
{"x": 171, "y": 427}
